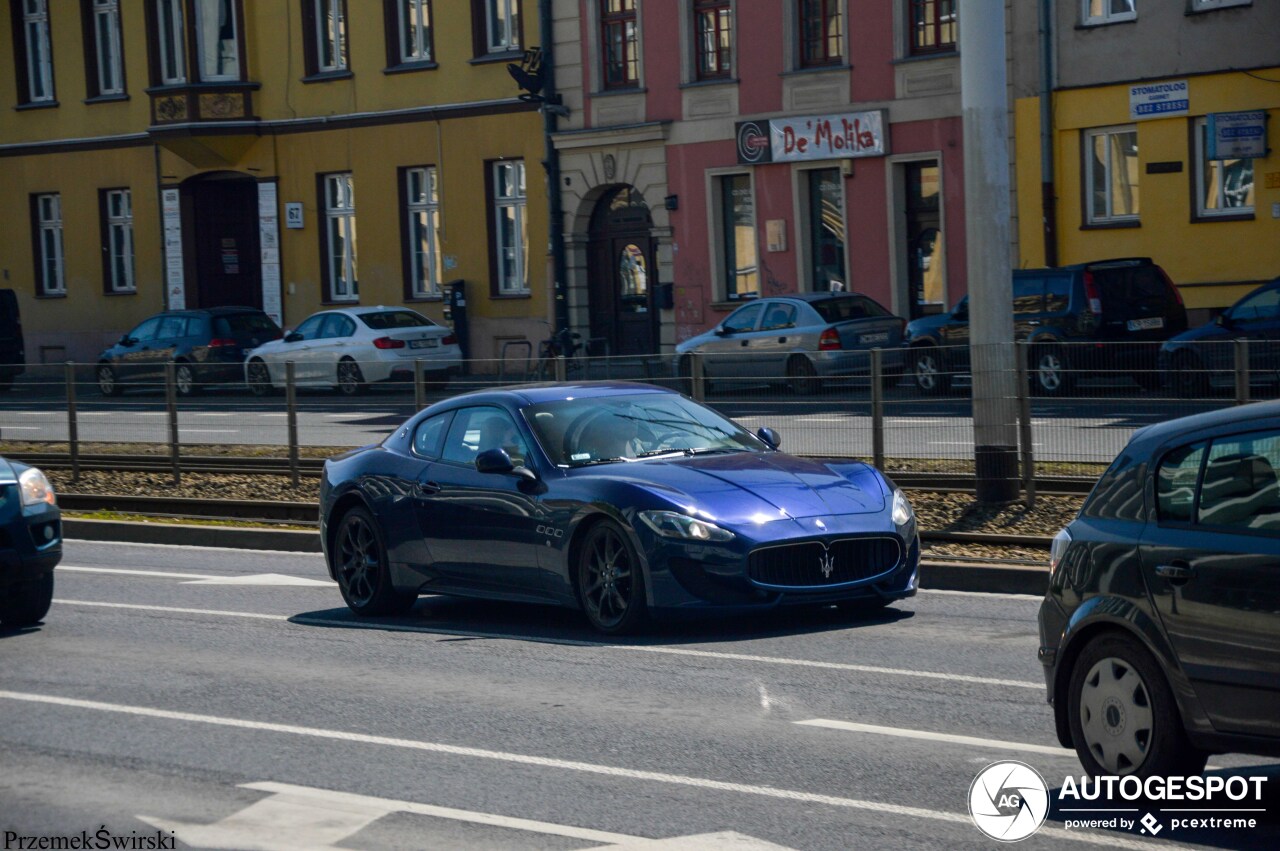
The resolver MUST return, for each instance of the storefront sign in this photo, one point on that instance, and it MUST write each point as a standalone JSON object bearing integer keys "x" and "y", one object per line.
{"x": 175, "y": 283}
{"x": 818, "y": 137}
{"x": 1237, "y": 135}
{"x": 269, "y": 238}
{"x": 1158, "y": 100}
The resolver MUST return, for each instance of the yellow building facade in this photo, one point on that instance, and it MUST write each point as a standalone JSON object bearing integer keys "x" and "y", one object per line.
{"x": 286, "y": 154}
{"x": 1129, "y": 185}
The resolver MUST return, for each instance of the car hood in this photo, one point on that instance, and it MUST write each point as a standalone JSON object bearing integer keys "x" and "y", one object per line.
{"x": 925, "y": 325}
{"x": 1208, "y": 331}
{"x": 750, "y": 487}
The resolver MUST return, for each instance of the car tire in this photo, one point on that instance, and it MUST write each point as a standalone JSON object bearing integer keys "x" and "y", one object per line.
{"x": 1050, "y": 371}
{"x": 610, "y": 580}
{"x": 184, "y": 380}
{"x": 26, "y": 603}
{"x": 359, "y": 559}
{"x": 1190, "y": 381}
{"x": 931, "y": 378}
{"x": 802, "y": 376}
{"x": 1122, "y": 713}
{"x": 258, "y": 378}
{"x": 350, "y": 380}
{"x": 108, "y": 383}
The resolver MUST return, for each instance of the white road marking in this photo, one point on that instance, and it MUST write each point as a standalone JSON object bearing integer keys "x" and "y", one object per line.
{"x": 23, "y": 428}
{"x": 220, "y": 550}
{"x": 158, "y": 574}
{"x": 765, "y": 703}
{"x": 708, "y": 784}
{"x": 926, "y": 735}
{"x": 989, "y": 594}
{"x": 172, "y": 610}
{"x": 210, "y": 431}
{"x": 263, "y": 579}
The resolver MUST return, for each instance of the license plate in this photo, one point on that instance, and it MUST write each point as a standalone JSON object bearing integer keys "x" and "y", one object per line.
{"x": 424, "y": 344}
{"x": 1143, "y": 324}
{"x": 868, "y": 339}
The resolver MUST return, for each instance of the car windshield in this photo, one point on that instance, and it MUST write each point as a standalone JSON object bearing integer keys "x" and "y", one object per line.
{"x": 237, "y": 324}
{"x": 614, "y": 429}
{"x": 851, "y": 307}
{"x": 394, "y": 319}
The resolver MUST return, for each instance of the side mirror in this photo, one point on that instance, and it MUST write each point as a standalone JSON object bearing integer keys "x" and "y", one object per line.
{"x": 961, "y": 312}
{"x": 126, "y": 340}
{"x": 1223, "y": 320}
{"x": 722, "y": 331}
{"x": 292, "y": 337}
{"x": 770, "y": 437}
{"x": 494, "y": 461}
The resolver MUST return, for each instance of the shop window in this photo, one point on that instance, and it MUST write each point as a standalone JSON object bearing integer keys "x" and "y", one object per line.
{"x": 1223, "y": 187}
{"x": 739, "y": 251}
{"x": 1111, "y": 175}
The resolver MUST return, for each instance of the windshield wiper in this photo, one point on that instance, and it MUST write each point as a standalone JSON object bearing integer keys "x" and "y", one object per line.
{"x": 687, "y": 451}
{"x": 595, "y": 461}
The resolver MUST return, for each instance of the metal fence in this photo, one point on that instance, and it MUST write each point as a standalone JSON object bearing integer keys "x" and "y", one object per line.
{"x": 1073, "y": 406}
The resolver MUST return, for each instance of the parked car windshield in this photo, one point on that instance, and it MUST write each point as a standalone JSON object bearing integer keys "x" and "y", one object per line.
{"x": 842, "y": 309}
{"x": 382, "y": 320}
{"x": 598, "y": 430}
{"x": 244, "y": 323}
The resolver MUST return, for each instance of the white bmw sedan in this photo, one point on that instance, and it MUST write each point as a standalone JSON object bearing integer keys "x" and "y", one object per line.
{"x": 352, "y": 347}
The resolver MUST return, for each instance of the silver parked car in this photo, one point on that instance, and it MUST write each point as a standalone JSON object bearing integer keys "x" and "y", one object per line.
{"x": 800, "y": 338}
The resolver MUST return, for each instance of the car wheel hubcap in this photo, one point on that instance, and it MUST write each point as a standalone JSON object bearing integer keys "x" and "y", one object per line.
{"x": 347, "y": 377}
{"x": 607, "y": 589}
{"x": 184, "y": 380}
{"x": 926, "y": 372}
{"x": 1050, "y": 372}
{"x": 258, "y": 375}
{"x": 359, "y": 559}
{"x": 106, "y": 381}
{"x": 1116, "y": 716}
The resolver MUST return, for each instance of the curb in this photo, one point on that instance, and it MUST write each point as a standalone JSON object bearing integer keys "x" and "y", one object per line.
{"x": 936, "y": 575}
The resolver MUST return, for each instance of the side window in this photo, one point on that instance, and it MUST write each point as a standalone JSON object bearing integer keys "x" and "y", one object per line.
{"x": 779, "y": 315}
{"x": 147, "y": 330}
{"x": 1028, "y": 293}
{"x": 743, "y": 319}
{"x": 1240, "y": 488}
{"x": 337, "y": 325}
{"x": 1057, "y": 293}
{"x": 429, "y": 435}
{"x": 1259, "y": 307}
{"x": 477, "y": 429}
{"x": 310, "y": 329}
{"x": 172, "y": 327}
{"x": 1176, "y": 484}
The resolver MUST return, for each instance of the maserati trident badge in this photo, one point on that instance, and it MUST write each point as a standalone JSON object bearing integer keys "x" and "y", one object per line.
{"x": 827, "y": 562}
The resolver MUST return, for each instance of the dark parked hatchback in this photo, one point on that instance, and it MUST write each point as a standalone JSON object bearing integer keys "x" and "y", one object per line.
{"x": 1160, "y": 631}
{"x": 207, "y": 346}
{"x": 1124, "y": 308}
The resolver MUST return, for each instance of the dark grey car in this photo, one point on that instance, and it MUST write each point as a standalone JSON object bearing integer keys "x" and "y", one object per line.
{"x": 1160, "y": 631}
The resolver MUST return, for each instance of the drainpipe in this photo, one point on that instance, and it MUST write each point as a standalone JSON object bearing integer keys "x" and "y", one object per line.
{"x": 551, "y": 162}
{"x": 1048, "y": 203}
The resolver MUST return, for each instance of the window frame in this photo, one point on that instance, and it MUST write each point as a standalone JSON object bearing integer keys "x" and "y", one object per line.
{"x": 111, "y": 225}
{"x": 44, "y": 227}
{"x": 343, "y": 217}
{"x": 414, "y": 289}
{"x": 726, "y": 241}
{"x": 396, "y": 30}
{"x": 1194, "y": 6}
{"x": 319, "y": 41}
{"x": 498, "y": 203}
{"x": 167, "y": 42}
{"x": 1199, "y": 175}
{"x": 827, "y": 11}
{"x": 722, "y": 11}
{"x": 195, "y": 64}
{"x": 916, "y": 11}
{"x": 1106, "y": 17}
{"x": 484, "y": 46}
{"x": 33, "y": 67}
{"x": 624, "y": 17}
{"x": 1109, "y": 218}
{"x": 103, "y": 60}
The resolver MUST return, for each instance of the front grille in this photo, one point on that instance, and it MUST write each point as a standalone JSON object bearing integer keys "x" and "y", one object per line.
{"x": 810, "y": 564}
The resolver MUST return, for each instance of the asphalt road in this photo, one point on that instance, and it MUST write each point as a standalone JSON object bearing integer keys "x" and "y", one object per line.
{"x": 1091, "y": 430}
{"x": 231, "y": 699}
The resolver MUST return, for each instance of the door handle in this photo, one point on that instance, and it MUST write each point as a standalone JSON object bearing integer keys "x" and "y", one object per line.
{"x": 1175, "y": 573}
{"x": 428, "y": 488}
{"x": 744, "y": 342}
{"x": 782, "y": 339}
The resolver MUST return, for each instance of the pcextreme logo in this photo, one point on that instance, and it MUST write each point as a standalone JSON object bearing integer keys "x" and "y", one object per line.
{"x": 1008, "y": 801}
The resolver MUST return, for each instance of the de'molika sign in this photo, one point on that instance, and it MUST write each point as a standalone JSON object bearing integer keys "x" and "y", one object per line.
{"x": 816, "y": 137}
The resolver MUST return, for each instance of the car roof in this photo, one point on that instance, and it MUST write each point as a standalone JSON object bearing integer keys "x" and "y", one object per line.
{"x": 812, "y": 297}
{"x": 210, "y": 311}
{"x": 1170, "y": 430}
{"x": 533, "y": 394}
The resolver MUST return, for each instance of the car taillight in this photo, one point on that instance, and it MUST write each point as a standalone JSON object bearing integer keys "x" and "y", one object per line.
{"x": 388, "y": 343}
{"x": 829, "y": 341}
{"x": 222, "y": 343}
{"x": 449, "y": 340}
{"x": 1091, "y": 294}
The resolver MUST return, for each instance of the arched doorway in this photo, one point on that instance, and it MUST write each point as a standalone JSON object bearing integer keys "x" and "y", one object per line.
{"x": 622, "y": 274}
{"x": 223, "y": 239}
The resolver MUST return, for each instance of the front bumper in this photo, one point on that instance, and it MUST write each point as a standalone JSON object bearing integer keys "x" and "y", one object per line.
{"x": 30, "y": 540}
{"x": 857, "y": 362}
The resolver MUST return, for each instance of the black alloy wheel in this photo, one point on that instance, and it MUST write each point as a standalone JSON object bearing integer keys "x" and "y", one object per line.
{"x": 350, "y": 379}
{"x": 610, "y": 581}
{"x": 108, "y": 384}
{"x": 1050, "y": 371}
{"x": 259, "y": 378}
{"x": 363, "y": 575}
{"x": 803, "y": 376}
{"x": 931, "y": 376}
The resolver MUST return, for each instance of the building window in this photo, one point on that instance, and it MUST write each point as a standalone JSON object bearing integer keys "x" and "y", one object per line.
{"x": 339, "y": 238}
{"x": 933, "y": 26}
{"x": 1109, "y": 11}
{"x": 501, "y": 20}
{"x": 619, "y": 35}
{"x": 1206, "y": 5}
{"x": 1223, "y": 187}
{"x": 821, "y": 33}
{"x": 1111, "y": 175}
{"x": 326, "y": 47}
{"x": 738, "y": 229}
{"x": 412, "y": 27}
{"x": 713, "y": 25}
{"x": 105, "y": 65}
{"x": 33, "y": 57}
{"x": 170, "y": 43}
{"x": 217, "y": 40}
{"x": 512, "y": 249}
{"x": 117, "y": 241}
{"x": 47, "y": 224}
{"x": 826, "y": 231}
{"x": 422, "y": 232}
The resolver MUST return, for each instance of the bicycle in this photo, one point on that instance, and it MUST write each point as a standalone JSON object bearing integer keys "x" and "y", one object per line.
{"x": 563, "y": 343}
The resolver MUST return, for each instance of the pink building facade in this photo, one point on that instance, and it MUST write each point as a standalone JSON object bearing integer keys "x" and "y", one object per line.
{"x": 720, "y": 151}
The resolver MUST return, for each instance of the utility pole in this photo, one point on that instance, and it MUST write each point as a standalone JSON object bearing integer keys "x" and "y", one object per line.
{"x": 984, "y": 107}
{"x": 551, "y": 110}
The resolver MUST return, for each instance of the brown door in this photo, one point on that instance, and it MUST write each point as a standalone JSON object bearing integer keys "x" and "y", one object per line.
{"x": 227, "y": 253}
{"x": 622, "y": 276}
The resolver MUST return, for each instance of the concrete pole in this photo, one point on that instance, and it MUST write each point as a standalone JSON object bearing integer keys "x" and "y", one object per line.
{"x": 984, "y": 106}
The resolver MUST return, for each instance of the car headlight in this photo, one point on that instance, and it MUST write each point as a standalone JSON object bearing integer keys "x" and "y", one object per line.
{"x": 35, "y": 488}
{"x": 1058, "y": 549}
{"x": 670, "y": 524}
{"x": 902, "y": 513}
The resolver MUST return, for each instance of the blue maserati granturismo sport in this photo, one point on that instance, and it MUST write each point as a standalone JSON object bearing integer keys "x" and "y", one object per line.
{"x": 624, "y": 500}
